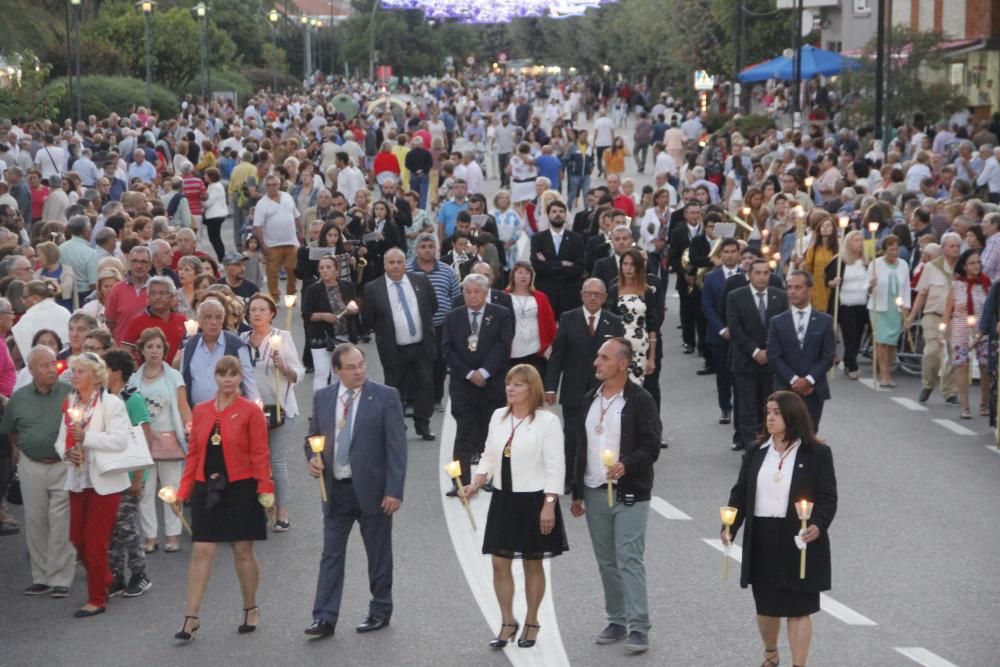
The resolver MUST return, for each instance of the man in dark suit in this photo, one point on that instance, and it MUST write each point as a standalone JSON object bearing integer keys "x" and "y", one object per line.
{"x": 716, "y": 335}
{"x": 801, "y": 348}
{"x": 749, "y": 309}
{"x": 400, "y": 308}
{"x": 598, "y": 246}
{"x": 581, "y": 221}
{"x": 363, "y": 468}
{"x": 581, "y": 333}
{"x": 607, "y": 268}
{"x": 476, "y": 339}
{"x": 398, "y": 206}
{"x": 557, "y": 256}
{"x": 496, "y": 296}
{"x": 742, "y": 278}
{"x": 681, "y": 239}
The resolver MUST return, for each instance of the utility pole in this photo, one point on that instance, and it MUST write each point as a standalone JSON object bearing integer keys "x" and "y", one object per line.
{"x": 738, "y": 56}
{"x": 880, "y": 58}
{"x": 797, "y": 69}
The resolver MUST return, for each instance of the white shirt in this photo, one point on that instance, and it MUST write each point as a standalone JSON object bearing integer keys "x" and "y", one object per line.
{"x": 526, "y": 340}
{"x": 88, "y": 171}
{"x": 278, "y": 219}
{"x": 597, "y": 473}
{"x": 990, "y": 175}
{"x": 771, "y": 499}
{"x": 664, "y": 163}
{"x": 557, "y": 238}
{"x": 343, "y": 472}
{"x": 349, "y": 181}
{"x": 399, "y": 323}
{"x": 604, "y": 131}
{"x": 51, "y": 160}
{"x": 916, "y": 173}
{"x": 474, "y": 177}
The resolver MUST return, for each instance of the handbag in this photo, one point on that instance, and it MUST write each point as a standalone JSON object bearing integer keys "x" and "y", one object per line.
{"x": 271, "y": 414}
{"x": 14, "y": 489}
{"x": 135, "y": 456}
{"x": 165, "y": 447}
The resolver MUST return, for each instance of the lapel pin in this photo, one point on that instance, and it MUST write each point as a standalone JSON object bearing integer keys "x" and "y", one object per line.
{"x": 800, "y": 465}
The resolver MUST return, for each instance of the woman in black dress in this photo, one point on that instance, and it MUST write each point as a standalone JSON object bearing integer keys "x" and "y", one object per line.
{"x": 327, "y": 316}
{"x": 788, "y": 466}
{"x": 524, "y": 458}
{"x": 227, "y": 478}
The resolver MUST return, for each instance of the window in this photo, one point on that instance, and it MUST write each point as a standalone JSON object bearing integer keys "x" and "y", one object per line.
{"x": 834, "y": 46}
{"x": 862, "y": 7}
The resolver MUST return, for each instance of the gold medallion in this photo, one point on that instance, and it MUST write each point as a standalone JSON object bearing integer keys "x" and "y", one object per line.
{"x": 506, "y": 451}
{"x": 216, "y": 439}
{"x": 342, "y": 424}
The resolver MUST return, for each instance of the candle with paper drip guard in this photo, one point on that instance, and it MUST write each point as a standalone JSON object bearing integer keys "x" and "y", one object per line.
{"x": 275, "y": 343}
{"x": 289, "y": 304}
{"x": 609, "y": 459}
{"x": 804, "y": 509}
{"x": 76, "y": 417}
{"x": 873, "y": 229}
{"x": 970, "y": 322}
{"x": 454, "y": 470}
{"x": 728, "y": 515}
{"x": 169, "y": 496}
{"x": 316, "y": 444}
{"x": 842, "y": 223}
{"x": 190, "y": 327}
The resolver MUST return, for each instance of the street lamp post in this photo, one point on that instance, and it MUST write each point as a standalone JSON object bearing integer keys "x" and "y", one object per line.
{"x": 273, "y": 17}
{"x": 306, "y": 52}
{"x": 317, "y": 24}
{"x": 147, "y": 10}
{"x": 76, "y": 56}
{"x": 201, "y": 10}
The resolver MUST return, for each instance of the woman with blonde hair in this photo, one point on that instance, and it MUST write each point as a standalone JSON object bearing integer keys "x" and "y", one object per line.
{"x": 853, "y": 281}
{"x": 524, "y": 459}
{"x": 106, "y": 280}
{"x": 61, "y": 276}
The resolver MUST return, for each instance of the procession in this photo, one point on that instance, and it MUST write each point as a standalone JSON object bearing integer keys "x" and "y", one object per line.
{"x": 592, "y": 359}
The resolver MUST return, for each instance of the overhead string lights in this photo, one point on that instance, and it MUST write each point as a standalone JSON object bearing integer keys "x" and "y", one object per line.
{"x": 494, "y": 11}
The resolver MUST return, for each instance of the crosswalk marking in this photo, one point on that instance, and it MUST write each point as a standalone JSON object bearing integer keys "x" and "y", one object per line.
{"x": 666, "y": 510}
{"x": 924, "y": 657}
{"x": 957, "y": 429}
{"x": 909, "y": 404}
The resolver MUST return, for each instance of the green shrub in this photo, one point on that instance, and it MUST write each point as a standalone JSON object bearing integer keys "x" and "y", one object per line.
{"x": 105, "y": 94}
{"x": 226, "y": 80}
{"x": 753, "y": 124}
{"x": 262, "y": 77}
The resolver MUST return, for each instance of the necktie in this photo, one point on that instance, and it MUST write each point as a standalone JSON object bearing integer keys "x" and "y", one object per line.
{"x": 762, "y": 307}
{"x": 343, "y": 457}
{"x": 800, "y": 329}
{"x": 475, "y": 322}
{"x": 591, "y": 325}
{"x": 410, "y": 325}
{"x": 556, "y": 240}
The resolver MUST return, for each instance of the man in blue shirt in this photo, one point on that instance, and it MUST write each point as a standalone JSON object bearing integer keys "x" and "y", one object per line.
{"x": 141, "y": 168}
{"x": 209, "y": 346}
{"x": 449, "y": 210}
{"x": 549, "y": 166}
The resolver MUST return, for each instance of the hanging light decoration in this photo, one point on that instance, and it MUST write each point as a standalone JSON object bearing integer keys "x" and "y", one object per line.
{"x": 493, "y": 11}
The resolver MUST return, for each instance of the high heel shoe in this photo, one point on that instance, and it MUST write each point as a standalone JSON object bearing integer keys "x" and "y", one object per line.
{"x": 500, "y": 642}
{"x": 528, "y": 643}
{"x": 771, "y": 662}
{"x": 245, "y": 628}
{"x": 184, "y": 634}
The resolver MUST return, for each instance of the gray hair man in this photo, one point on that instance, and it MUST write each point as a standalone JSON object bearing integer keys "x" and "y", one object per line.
{"x": 203, "y": 350}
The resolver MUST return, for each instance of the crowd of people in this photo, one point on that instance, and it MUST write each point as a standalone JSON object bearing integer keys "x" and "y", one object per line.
{"x": 119, "y": 324}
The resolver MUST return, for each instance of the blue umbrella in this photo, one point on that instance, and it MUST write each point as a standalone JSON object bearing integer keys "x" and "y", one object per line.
{"x": 814, "y": 62}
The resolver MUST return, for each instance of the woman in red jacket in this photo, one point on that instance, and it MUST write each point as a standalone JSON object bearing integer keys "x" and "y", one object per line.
{"x": 385, "y": 161}
{"x": 534, "y": 321}
{"x": 227, "y": 478}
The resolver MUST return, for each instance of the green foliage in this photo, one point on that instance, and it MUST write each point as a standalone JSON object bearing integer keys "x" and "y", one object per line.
{"x": 174, "y": 44}
{"x": 753, "y": 124}
{"x": 103, "y": 94}
{"x": 262, "y": 78}
{"x": 230, "y": 80}
{"x": 26, "y": 100}
{"x": 914, "y": 80}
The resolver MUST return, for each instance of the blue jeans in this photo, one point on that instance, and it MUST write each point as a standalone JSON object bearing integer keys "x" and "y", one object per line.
{"x": 576, "y": 185}
{"x": 419, "y": 184}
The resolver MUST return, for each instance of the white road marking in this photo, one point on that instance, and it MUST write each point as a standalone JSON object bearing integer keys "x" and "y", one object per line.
{"x": 828, "y": 604}
{"x": 992, "y": 448}
{"x": 924, "y": 657}
{"x": 957, "y": 429}
{"x": 666, "y": 510}
{"x": 909, "y": 404}
{"x": 478, "y": 569}
{"x": 868, "y": 382}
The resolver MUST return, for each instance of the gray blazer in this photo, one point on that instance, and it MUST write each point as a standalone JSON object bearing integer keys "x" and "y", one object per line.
{"x": 378, "y": 443}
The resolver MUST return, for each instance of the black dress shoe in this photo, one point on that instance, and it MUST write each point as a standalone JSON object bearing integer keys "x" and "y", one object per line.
{"x": 925, "y": 394}
{"x": 86, "y": 613}
{"x": 425, "y": 433}
{"x": 373, "y": 623}
{"x": 726, "y": 417}
{"x": 738, "y": 446}
{"x": 705, "y": 370}
{"x": 688, "y": 349}
{"x": 320, "y": 628}
{"x": 664, "y": 444}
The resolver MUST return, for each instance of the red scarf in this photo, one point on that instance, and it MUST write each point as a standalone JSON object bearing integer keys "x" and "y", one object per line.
{"x": 86, "y": 413}
{"x": 981, "y": 279}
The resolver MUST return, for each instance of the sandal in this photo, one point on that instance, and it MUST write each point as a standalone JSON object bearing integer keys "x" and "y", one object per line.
{"x": 150, "y": 547}
{"x": 966, "y": 414}
{"x": 771, "y": 662}
{"x": 984, "y": 411}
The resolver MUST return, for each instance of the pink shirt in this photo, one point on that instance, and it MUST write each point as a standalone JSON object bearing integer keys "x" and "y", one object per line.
{"x": 125, "y": 303}
{"x": 194, "y": 188}
{"x": 7, "y": 372}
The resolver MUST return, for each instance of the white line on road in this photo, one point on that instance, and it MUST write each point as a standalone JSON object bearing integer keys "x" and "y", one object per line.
{"x": 909, "y": 404}
{"x": 957, "y": 429}
{"x": 868, "y": 382}
{"x": 667, "y": 510}
{"x": 478, "y": 568}
{"x": 839, "y": 611}
{"x": 924, "y": 657}
{"x": 992, "y": 448}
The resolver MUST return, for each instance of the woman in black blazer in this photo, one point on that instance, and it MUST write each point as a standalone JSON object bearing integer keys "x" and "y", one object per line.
{"x": 324, "y": 311}
{"x": 790, "y": 465}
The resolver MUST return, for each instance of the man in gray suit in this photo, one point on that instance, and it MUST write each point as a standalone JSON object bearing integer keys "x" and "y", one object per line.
{"x": 363, "y": 467}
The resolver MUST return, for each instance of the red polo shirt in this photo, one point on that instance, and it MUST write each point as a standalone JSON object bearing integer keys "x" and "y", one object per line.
{"x": 125, "y": 303}
{"x": 172, "y": 328}
{"x": 624, "y": 204}
{"x": 178, "y": 254}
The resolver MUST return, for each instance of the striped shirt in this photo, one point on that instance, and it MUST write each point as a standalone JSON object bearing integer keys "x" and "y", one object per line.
{"x": 445, "y": 284}
{"x": 194, "y": 188}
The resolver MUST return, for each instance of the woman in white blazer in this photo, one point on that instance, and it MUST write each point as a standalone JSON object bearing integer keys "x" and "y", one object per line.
{"x": 94, "y": 425}
{"x": 888, "y": 305}
{"x": 266, "y": 358}
{"x": 524, "y": 459}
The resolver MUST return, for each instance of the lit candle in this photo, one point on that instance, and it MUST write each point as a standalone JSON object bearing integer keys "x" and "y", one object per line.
{"x": 765, "y": 250}
{"x": 609, "y": 459}
{"x": 75, "y": 415}
{"x": 745, "y": 211}
{"x": 804, "y": 509}
{"x": 289, "y": 305}
{"x": 316, "y": 444}
{"x": 728, "y": 515}
{"x": 970, "y": 321}
{"x": 809, "y": 181}
{"x": 843, "y": 221}
{"x": 352, "y": 307}
{"x": 454, "y": 470}
{"x": 275, "y": 343}
{"x": 191, "y": 327}
{"x": 169, "y": 496}
{"x": 266, "y": 500}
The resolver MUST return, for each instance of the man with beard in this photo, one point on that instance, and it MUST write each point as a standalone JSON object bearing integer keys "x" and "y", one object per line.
{"x": 557, "y": 255}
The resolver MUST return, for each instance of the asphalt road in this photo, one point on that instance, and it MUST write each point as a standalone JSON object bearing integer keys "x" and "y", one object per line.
{"x": 913, "y": 574}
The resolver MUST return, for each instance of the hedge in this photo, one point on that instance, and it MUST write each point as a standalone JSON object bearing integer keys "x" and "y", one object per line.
{"x": 228, "y": 80}
{"x": 105, "y": 94}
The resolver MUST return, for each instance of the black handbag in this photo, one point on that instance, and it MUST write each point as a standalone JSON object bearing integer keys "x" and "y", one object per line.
{"x": 271, "y": 414}
{"x": 14, "y": 496}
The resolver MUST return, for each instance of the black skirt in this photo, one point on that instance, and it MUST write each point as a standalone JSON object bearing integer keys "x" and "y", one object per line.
{"x": 512, "y": 529}
{"x": 770, "y": 595}
{"x": 237, "y": 517}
